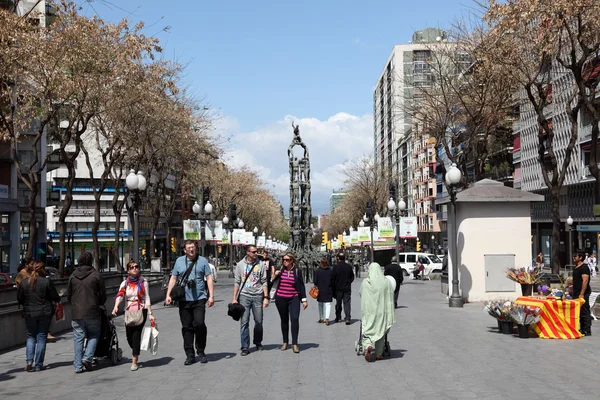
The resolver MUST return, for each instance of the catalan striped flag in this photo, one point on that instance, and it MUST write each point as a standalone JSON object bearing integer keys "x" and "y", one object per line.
{"x": 559, "y": 319}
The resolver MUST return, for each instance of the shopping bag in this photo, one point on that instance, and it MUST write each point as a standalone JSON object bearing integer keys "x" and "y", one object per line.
{"x": 154, "y": 339}
{"x": 59, "y": 312}
{"x": 146, "y": 338}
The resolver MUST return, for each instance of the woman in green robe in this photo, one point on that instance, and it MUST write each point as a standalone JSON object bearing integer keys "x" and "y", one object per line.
{"x": 377, "y": 309}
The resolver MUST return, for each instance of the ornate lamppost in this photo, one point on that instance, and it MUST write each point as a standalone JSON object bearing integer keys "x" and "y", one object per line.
{"x": 255, "y": 233}
{"x": 136, "y": 184}
{"x": 570, "y": 223}
{"x": 396, "y": 212}
{"x": 203, "y": 217}
{"x": 453, "y": 178}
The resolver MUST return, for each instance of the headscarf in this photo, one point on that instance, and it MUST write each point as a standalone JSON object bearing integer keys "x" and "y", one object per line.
{"x": 376, "y": 304}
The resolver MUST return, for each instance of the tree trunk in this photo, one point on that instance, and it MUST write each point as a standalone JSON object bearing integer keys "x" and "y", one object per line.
{"x": 556, "y": 225}
{"x": 95, "y": 227}
{"x": 32, "y": 223}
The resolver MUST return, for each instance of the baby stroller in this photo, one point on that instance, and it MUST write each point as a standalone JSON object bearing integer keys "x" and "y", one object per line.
{"x": 108, "y": 343}
{"x": 360, "y": 350}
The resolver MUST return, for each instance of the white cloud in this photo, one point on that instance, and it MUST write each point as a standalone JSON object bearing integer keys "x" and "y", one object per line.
{"x": 330, "y": 143}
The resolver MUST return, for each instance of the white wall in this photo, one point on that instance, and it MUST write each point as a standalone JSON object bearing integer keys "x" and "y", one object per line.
{"x": 489, "y": 228}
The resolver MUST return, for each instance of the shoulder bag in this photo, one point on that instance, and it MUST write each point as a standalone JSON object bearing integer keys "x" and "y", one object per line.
{"x": 178, "y": 291}
{"x": 236, "y": 310}
{"x": 314, "y": 292}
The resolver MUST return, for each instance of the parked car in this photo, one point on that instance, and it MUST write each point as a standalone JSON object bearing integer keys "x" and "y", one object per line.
{"x": 5, "y": 281}
{"x": 408, "y": 261}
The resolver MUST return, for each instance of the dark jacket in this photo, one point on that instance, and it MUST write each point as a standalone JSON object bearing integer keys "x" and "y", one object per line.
{"x": 395, "y": 271}
{"x": 342, "y": 277}
{"x": 37, "y": 301}
{"x": 323, "y": 282}
{"x": 298, "y": 281}
{"x": 86, "y": 292}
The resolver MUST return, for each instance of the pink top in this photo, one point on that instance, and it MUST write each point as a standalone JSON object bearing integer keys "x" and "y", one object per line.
{"x": 287, "y": 285}
{"x": 132, "y": 298}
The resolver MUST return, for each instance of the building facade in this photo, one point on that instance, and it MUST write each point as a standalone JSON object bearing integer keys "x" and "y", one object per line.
{"x": 335, "y": 199}
{"x": 396, "y": 95}
{"x": 577, "y": 197}
{"x": 14, "y": 194}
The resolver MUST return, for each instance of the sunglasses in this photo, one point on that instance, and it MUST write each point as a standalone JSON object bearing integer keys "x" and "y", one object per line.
{"x": 286, "y": 259}
{"x": 134, "y": 267}
{"x": 252, "y": 251}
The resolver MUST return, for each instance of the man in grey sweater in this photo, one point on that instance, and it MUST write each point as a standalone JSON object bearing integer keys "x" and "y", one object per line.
{"x": 254, "y": 295}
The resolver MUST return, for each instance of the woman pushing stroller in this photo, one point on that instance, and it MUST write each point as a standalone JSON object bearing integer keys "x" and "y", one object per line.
{"x": 377, "y": 309}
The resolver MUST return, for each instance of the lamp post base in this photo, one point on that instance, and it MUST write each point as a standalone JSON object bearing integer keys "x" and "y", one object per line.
{"x": 456, "y": 302}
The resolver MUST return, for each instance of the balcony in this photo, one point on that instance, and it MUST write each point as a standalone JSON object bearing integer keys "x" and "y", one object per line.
{"x": 516, "y": 156}
{"x": 585, "y": 171}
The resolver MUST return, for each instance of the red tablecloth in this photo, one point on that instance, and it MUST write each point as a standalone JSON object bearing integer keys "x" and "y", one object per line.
{"x": 559, "y": 319}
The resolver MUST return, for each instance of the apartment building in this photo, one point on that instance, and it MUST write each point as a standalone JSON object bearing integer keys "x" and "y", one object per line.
{"x": 14, "y": 195}
{"x": 397, "y": 92}
{"x": 577, "y": 198}
{"x": 335, "y": 199}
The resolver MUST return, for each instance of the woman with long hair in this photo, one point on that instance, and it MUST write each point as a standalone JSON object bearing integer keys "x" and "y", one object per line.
{"x": 36, "y": 294}
{"x": 289, "y": 293}
{"x": 377, "y": 311}
{"x": 325, "y": 297}
{"x": 136, "y": 293}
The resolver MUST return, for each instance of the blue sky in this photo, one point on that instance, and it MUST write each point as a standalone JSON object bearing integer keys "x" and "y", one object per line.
{"x": 262, "y": 64}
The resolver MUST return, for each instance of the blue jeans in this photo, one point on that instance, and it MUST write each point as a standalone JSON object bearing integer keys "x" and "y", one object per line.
{"x": 83, "y": 328}
{"x": 254, "y": 303}
{"x": 37, "y": 332}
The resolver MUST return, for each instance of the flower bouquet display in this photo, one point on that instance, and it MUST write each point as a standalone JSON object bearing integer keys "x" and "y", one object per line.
{"x": 501, "y": 311}
{"x": 524, "y": 316}
{"x": 527, "y": 277}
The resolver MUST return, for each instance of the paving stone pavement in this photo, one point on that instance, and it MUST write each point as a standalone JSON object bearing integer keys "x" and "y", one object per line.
{"x": 437, "y": 353}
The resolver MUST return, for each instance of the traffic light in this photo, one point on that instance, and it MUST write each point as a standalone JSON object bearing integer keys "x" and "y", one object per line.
{"x": 205, "y": 195}
{"x": 369, "y": 211}
{"x": 340, "y": 238}
{"x": 418, "y": 245}
{"x": 325, "y": 238}
{"x": 232, "y": 213}
{"x": 173, "y": 245}
{"x": 144, "y": 251}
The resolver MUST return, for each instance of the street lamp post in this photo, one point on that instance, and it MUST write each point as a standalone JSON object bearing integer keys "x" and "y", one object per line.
{"x": 368, "y": 218}
{"x": 255, "y": 232}
{"x": 228, "y": 223}
{"x": 136, "y": 184}
{"x": 433, "y": 244}
{"x": 570, "y": 223}
{"x": 395, "y": 212}
{"x": 202, "y": 216}
{"x": 453, "y": 178}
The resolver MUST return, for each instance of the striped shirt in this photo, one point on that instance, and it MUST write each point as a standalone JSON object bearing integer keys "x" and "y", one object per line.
{"x": 287, "y": 285}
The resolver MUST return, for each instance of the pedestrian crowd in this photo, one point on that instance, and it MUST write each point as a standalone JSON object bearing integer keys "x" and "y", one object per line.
{"x": 258, "y": 283}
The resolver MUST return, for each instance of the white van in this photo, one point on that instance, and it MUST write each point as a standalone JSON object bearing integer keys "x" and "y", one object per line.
{"x": 431, "y": 262}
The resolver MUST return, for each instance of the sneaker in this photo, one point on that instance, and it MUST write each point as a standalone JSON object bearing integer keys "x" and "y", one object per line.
{"x": 189, "y": 360}
{"x": 42, "y": 368}
{"x": 203, "y": 358}
{"x": 79, "y": 371}
{"x": 245, "y": 352}
{"x": 259, "y": 347}
{"x": 87, "y": 365}
{"x": 134, "y": 367}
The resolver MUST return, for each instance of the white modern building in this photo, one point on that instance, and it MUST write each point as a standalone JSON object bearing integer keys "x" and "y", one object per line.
{"x": 397, "y": 92}
{"x": 80, "y": 217}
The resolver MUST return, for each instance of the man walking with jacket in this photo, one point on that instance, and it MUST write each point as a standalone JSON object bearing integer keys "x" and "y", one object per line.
{"x": 394, "y": 270}
{"x": 86, "y": 293}
{"x": 341, "y": 280}
{"x": 251, "y": 284}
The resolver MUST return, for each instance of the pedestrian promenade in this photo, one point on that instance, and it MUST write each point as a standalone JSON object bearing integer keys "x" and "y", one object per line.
{"x": 437, "y": 353}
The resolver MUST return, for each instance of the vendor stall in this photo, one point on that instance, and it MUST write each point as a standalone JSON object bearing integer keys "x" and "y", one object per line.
{"x": 559, "y": 319}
